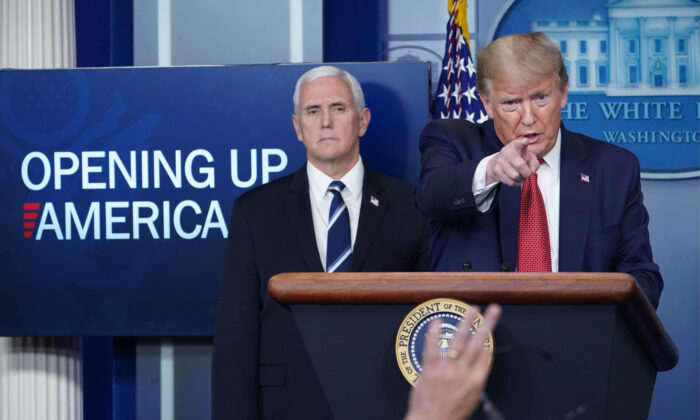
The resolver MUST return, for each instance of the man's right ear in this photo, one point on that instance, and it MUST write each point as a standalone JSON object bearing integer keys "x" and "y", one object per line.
{"x": 487, "y": 104}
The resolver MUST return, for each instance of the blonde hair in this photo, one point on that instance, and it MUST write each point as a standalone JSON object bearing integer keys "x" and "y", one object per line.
{"x": 533, "y": 56}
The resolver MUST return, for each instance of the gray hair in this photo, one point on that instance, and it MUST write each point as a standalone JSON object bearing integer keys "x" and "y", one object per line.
{"x": 330, "y": 71}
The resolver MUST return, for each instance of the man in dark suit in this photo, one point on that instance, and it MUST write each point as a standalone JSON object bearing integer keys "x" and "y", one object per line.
{"x": 260, "y": 367}
{"x": 583, "y": 204}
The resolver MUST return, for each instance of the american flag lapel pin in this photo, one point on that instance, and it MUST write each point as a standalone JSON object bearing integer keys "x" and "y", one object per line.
{"x": 585, "y": 178}
{"x": 374, "y": 201}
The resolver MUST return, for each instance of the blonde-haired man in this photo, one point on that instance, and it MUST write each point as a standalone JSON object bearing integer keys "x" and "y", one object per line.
{"x": 521, "y": 191}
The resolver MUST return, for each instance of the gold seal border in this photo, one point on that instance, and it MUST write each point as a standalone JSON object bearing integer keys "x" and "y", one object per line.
{"x": 414, "y": 318}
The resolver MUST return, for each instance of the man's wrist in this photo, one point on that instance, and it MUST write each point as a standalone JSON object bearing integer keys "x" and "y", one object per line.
{"x": 481, "y": 182}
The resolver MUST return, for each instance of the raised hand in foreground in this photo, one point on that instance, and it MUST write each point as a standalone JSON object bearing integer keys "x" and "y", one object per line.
{"x": 450, "y": 386}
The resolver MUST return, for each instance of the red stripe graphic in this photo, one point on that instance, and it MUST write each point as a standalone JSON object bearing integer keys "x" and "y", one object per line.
{"x": 31, "y": 212}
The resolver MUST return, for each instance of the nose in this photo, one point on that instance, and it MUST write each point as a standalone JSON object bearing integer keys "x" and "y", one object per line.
{"x": 326, "y": 121}
{"x": 527, "y": 114}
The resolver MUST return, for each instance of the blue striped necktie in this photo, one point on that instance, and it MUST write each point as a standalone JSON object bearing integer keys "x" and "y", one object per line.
{"x": 339, "y": 249}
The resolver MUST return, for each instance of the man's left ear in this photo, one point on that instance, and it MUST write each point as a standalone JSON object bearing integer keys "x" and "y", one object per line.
{"x": 564, "y": 96}
{"x": 365, "y": 116}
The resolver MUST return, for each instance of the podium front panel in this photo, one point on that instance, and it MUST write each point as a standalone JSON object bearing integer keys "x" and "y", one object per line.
{"x": 552, "y": 362}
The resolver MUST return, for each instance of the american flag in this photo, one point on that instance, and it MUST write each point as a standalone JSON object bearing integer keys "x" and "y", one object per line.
{"x": 457, "y": 96}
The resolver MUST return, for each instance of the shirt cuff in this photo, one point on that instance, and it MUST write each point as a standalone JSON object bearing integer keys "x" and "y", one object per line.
{"x": 483, "y": 194}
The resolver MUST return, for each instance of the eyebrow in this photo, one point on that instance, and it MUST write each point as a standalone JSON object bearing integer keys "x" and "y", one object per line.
{"x": 312, "y": 106}
{"x": 316, "y": 106}
{"x": 508, "y": 98}
{"x": 542, "y": 91}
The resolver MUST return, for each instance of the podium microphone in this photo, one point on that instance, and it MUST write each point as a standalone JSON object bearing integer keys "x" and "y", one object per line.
{"x": 505, "y": 267}
{"x": 467, "y": 265}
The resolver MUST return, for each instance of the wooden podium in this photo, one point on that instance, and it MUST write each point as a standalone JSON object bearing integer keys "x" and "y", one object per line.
{"x": 569, "y": 345}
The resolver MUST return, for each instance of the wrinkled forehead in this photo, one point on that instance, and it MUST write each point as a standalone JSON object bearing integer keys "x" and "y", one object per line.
{"x": 326, "y": 87}
{"x": 513, "y": 79}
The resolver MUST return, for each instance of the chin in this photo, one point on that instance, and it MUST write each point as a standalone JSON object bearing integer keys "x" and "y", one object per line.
{"x": 539, "y": 151}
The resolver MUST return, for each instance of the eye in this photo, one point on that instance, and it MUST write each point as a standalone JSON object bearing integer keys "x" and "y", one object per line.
{"x": 541, "y": 99}
{"x": 339, "y": 108}
{"x": 509, "y": 105}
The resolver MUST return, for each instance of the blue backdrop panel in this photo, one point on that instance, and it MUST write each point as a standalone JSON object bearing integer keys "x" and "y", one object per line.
{"x": 632, "y": 77}
{"x": 662, "y": 132}
{"x": 117, "y": 184}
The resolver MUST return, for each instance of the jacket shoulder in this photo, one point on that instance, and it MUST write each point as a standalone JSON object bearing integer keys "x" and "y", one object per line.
{"x": 605, "y": 151}
{"x": 392, "y": 187}
{"x": 267, "y": 191}
{"x": 458, "y": 126}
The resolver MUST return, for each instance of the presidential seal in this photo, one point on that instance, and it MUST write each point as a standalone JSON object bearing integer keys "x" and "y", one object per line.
{"x": 410, "y": 338}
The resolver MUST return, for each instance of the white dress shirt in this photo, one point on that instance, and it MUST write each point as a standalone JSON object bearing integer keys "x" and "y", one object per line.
{"x": 547, "y": 180}
{"x": 321, "y": 202}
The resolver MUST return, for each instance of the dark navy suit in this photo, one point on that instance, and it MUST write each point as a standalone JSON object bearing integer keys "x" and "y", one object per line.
{"x": 261, "y": 368}
{"x": 602, "y": 221}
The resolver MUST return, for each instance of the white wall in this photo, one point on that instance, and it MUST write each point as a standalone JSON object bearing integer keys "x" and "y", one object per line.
{"x": 228, "y": 31}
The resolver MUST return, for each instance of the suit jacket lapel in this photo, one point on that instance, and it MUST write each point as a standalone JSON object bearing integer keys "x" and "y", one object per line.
{"x": 298, "y": 207}
{"x": 508, "y": 207}
{"x": 370, "y": 218}
{"x": 491, "y": 142}
{"x": 575, "y": 201}
{"x": 509, "y": 219}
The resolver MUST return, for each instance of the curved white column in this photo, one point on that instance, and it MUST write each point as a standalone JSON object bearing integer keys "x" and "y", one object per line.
{"x": 40, "y": 377}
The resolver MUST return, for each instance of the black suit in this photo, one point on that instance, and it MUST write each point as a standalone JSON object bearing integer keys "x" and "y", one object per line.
{"x": 260, "y": 367}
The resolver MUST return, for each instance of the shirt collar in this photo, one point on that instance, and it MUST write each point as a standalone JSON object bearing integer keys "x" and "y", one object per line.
{"x": 553, "y": 158}
{"x": 318, "y": 181}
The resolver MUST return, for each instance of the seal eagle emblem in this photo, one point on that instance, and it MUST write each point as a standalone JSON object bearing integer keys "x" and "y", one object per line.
{"x": 410, "y": 339}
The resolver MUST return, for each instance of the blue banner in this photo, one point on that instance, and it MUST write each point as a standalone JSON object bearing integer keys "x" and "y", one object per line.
{"x": 117, "y": 184}
{"x": 634, "y": 78}
{"x": 663, "y": 132}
